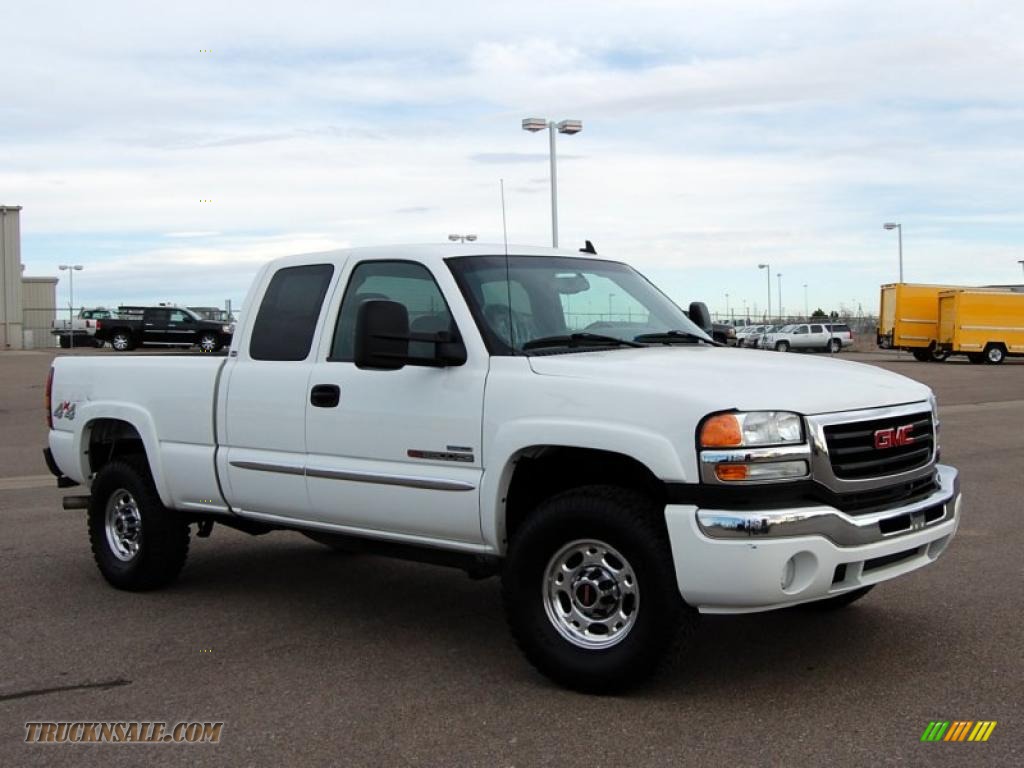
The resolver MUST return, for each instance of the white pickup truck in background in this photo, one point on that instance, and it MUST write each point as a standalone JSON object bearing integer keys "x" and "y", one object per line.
{"x": 619, "y": 470}
{"x": 80, "y": 330}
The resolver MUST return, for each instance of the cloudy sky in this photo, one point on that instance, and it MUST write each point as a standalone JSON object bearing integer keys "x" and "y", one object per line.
{"x": 717, "y": 135}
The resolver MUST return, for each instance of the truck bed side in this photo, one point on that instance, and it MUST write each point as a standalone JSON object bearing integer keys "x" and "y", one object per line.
{"x": 167, "y": 401}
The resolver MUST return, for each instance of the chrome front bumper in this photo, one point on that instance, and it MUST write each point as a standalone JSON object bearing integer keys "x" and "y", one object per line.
{"x": 841, "y": 528}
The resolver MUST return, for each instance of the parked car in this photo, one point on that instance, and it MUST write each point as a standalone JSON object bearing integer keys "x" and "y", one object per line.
{"x": 748, "y": 335}
{"x": 80, "y": 331}
{"x": 395, "y": 400}
{"x": 162, "y": 326}
{"x": 821, "y": 337}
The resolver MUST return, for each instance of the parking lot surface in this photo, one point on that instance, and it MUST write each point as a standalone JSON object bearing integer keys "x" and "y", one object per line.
{"x": 313, "y": 657}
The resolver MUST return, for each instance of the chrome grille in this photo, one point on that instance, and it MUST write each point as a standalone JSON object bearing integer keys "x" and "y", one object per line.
{"x": 853, "y": 455}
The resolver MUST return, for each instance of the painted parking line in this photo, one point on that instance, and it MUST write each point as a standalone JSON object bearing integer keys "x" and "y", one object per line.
{"x": 27, "y": 481}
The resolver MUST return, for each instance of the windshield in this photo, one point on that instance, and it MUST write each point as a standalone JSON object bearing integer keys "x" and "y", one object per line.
{"x": 554, "y": 296}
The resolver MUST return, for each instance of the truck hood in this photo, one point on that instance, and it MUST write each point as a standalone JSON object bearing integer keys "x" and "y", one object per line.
{"x": 739, "y": 378}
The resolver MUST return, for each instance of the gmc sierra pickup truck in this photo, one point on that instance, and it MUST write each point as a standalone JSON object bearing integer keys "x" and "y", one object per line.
{"x": 619, "y": 470}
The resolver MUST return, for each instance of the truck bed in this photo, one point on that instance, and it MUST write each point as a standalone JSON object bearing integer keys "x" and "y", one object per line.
{"x": 171, "y": 397}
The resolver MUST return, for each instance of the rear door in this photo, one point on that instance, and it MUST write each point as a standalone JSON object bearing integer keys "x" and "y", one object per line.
{"x": 265, "y": 403}
{"x": 397, "y": 452}
{"x": 818, "y": 336}
{"x": 154, "y": 326}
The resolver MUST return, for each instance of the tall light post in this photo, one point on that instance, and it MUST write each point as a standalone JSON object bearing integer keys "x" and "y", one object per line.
{"x": 569, "y": 127}
{"x": 727, "y": 306}
{"x": 462, "y": 238}
{"x": 610, "y": 297}
{"x": 807, "y": 313}
{"x": 769, "y": 275}
{"x": 779, "y": 276}
{"x": 899, "y": 231}
{"x": 71, "y": 269}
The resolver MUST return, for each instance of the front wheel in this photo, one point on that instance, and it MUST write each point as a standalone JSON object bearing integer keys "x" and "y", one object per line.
{"x": 782, "y": 346}
{"x": 589, "y": 589}
{"x": 137, "y": 542}
{"x": 208, "y": 342}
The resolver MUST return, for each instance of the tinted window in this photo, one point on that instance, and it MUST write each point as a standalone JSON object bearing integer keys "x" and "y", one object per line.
{"x": 816, "y": 329}
{"x": 801, "y": 329}
{"x": 409, "y": 284}
{"x": 841, "y": 328}
{"x": 156, "y": 316}
{"x": 287, "y": 318}
{"x": 177, "y": 316}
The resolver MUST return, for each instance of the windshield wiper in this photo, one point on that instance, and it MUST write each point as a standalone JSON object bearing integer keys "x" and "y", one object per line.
{"x": 582, "y": 339}
{"x": 673, "y": 337}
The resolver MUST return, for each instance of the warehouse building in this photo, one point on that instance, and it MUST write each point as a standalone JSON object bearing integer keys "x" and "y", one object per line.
{"x": 28, "y": 305}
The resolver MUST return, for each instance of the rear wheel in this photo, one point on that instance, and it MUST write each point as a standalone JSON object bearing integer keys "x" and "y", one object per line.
{"x": 835, "y": 345}
{"x": 121, "y": 341}
{"x": 782, "y": 346}
{"x": 137, "y": 542}
{"x": 995, "y": 354}
{"x": 921, "y": 355}
{"x": 589, "y": 589}
{"x": 938, "y": 354}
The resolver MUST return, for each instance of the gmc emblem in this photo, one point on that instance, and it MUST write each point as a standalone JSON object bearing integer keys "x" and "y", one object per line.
{"x": 894, "y": 437}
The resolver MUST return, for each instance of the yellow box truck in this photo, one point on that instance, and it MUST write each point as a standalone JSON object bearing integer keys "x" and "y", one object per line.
{"x": 987, "y": 326}
{"x": 908, "y": 318}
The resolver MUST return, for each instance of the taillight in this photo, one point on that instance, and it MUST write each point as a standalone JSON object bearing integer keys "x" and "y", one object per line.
{"x": 49, "y": 399}
{"x": 99, "y": 324}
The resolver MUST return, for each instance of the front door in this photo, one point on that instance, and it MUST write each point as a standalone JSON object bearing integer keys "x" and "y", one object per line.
{"x": 154, "y": 326}
{"x": 398, "y": 451}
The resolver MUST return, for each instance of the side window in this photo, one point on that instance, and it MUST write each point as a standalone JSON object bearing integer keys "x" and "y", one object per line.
{"x": 156, "y": 316}
{"x": 177, "y": 316}
{"x": 800, "y": 329}
{"x": 286, "y": 321}
{"x": 816, "y": 329}
{"x": 409, "y": 284}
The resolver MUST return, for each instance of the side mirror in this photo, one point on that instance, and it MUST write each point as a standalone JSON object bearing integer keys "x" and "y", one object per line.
{"x": 383, "y": 340}
{"x": 700, "y": 316}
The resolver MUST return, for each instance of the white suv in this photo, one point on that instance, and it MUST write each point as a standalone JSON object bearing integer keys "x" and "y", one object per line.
{"x": 828, "y": 337}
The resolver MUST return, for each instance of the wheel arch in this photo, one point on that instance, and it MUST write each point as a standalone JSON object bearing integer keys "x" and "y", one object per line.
{"x": 112, "y": 432}
{"x": 536, "y": 472}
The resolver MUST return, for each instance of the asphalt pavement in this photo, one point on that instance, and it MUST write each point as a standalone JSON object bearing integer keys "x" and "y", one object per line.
{"x": 310, "y": 657}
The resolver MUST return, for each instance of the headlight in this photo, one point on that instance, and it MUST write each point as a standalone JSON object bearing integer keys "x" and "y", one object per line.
{"x": 736, "y": 430}
{"x": 227, "y": 328}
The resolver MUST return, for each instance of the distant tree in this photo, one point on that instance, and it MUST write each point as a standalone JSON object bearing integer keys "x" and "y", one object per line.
{"x": 834, "y": 315}
{"x": 819, "y": 312}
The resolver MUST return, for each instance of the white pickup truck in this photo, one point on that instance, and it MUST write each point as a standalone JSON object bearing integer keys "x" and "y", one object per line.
{"x": 547, "y": 416}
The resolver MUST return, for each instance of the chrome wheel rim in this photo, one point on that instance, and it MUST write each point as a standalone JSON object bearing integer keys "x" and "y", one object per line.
{"x": 995, "y": 354}
{"x": 123, "y": 525}
{"x": 591, "y": 595}
{"x": 119, "y": 342}
{"x": 207, "y": 343}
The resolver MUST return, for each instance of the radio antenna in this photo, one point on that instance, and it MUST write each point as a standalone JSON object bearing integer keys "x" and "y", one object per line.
{"x": 508, "y": 269}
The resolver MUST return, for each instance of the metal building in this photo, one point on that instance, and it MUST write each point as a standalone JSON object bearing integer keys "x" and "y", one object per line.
{"x": 27, "y": 304}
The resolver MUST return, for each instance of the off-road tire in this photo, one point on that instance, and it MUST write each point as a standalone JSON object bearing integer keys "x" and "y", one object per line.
{"x": 633, "y": 525}
{"x": 163, "y": 535}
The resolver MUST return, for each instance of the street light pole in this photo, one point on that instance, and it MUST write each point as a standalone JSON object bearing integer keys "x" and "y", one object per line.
{"x": 71, "y": 269}
{"x": 807, "y": 313}
{"x": 569, "y": 127}
{"x": 779, "y": 276}
{"x": 769, "y": 275}
{"x": 899, "y": 232}
{"x": 727, "y": 305}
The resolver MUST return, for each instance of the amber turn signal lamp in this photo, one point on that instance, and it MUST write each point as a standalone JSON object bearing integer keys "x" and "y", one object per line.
{"x": 731, "y": 471}
{"x": 721, "y": 431}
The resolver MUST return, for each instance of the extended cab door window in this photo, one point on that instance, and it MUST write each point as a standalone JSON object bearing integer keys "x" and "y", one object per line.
{"x": 286, "y": 321}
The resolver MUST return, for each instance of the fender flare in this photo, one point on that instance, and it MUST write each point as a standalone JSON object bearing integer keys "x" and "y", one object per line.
{"x": 655, "y": 451}
{"x": 140, "y": 420}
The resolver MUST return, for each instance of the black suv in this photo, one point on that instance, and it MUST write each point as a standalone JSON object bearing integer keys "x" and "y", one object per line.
{"x": 163, "y": 326}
